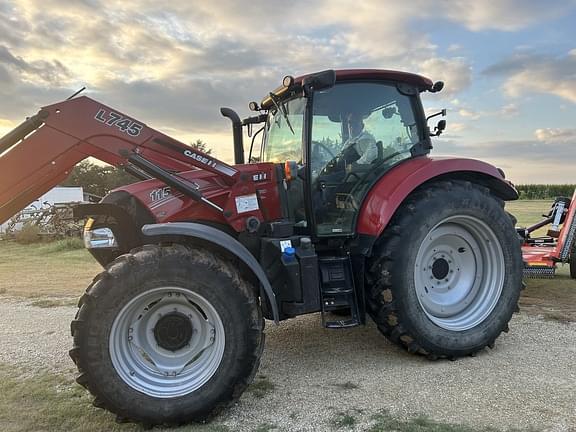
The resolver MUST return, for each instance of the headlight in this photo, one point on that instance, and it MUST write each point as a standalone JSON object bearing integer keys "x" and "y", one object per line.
{"x": 99, "y": 238}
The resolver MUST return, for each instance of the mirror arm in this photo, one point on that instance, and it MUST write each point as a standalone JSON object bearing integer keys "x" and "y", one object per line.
{"x": 442, "y": 113}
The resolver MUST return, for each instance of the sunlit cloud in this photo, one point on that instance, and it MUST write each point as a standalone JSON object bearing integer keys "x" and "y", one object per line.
{"x": 503, "y": 15}
{"x": 455, "y": 72}
{"x": 173, "y": 64}
{"x": 555, "y": 135}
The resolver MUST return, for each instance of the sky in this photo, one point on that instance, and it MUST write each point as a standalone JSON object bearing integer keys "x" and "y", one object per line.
{"x": 509, "y": 66}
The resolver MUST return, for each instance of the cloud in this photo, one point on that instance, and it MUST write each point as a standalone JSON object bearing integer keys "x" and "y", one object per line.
{"x": 455, "y": 72}
{"x": 543, "y": 149}
{"x": 556, "y": 135}
{"x": 524, "y": 161}
{"x": 187, "y": 104}
{"x": 509, "y": 110}
{"x": 469, "y": 114}
{"x": 174, "y": 64}
{"x": 46, "y": 72}
{"x": 456, "y": 127}
{"x": 503, "y": 15}
{"x": 237, "y": 51}
{"x": 537, "y": 73}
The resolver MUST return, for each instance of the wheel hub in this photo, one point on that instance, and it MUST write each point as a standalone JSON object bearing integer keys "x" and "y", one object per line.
{"x": 440, "y": 268}
{"x": 173, "y": 331}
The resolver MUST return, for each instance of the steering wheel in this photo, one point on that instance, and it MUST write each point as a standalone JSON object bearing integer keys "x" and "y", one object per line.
{"x": 372, "y": 170}
{"x": 317, "y": 148}
{"x": 316, "y": 144}
{"x": 338, "y": 161}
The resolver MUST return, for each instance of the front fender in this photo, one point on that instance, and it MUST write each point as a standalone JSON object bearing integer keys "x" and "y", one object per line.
{"x": 221, "y": 240}
{"x": 391, "y": 190}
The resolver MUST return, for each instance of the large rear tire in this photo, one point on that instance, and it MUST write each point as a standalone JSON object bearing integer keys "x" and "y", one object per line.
{"x": 167, "y": 335}
{"x": 446, "y": 275}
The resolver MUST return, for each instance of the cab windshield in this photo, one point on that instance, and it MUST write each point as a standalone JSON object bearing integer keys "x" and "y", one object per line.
{"x": 283, "y": 140}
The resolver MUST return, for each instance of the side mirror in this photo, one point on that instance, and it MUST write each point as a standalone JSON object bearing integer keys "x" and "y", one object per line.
{"x": 319, "y": 81}
{"x": 440, "y": 127}
{"x": 437, "y": 86}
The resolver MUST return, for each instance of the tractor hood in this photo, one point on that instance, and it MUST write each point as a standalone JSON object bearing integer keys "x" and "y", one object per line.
{"x": 169, "y": 205}
{"x": 166, "y": 204}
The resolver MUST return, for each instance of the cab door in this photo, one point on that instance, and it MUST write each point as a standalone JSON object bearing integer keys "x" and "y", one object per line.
{"x": 359, "y": 131}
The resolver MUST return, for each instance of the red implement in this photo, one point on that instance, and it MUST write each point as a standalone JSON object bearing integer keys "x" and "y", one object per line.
{"x": 542, "y": 254}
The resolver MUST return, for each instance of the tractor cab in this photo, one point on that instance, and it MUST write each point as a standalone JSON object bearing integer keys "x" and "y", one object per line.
{"x": 343, "y": 135}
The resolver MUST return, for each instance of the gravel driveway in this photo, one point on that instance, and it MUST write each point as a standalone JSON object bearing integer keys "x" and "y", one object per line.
{"x": 528, "y": 380}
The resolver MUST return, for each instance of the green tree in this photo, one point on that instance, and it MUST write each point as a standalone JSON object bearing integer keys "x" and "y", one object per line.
{"x": 101, "y": 179}
{"x": 98, "y": 179}
{"x": 202, "y": 146}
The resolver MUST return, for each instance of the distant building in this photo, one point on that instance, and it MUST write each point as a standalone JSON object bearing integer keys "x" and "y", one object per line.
{"x": 58, "y": 195}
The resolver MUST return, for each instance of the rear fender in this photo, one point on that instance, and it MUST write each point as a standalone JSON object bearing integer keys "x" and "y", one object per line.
{"x": 221, "y": 241}
{"x": 393, "y": 188}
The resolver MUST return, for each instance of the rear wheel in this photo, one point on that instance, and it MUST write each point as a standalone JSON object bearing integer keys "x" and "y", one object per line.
{"x": 167, "y": 335}
{"x": 447, "y": 273}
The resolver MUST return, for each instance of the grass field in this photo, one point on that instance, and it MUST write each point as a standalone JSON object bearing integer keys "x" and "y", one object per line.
{"x": 529, "y": 212}
{"x": 42, "y": 270}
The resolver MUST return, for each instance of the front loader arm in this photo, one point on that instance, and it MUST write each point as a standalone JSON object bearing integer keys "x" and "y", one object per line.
{"x": 41, "y": 152}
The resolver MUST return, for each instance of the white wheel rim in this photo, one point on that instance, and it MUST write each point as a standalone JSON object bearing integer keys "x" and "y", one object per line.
{"x": 167, "y": 342}
{"x": 459, "y": 273}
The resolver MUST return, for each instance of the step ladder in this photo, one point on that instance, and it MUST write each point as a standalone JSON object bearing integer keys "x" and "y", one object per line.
{"x": 337, "y": 292}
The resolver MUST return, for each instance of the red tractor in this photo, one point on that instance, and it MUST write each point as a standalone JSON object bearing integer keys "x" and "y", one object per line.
{"x": 542, "y": 254}
{"x": 340, "y": 210}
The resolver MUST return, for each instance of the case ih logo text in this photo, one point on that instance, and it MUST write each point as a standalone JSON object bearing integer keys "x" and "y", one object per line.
{"x": 125, "y": 124}
{"x": 201, "y": 159}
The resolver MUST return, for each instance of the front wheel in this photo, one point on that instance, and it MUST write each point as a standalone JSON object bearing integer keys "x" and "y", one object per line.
{"x": 167, "y": 335}
{"x": 446, "y": 276}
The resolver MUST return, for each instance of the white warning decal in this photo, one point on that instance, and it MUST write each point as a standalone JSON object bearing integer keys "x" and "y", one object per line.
{"x": 246, "y": 203}
{"x": 285, "y": 244}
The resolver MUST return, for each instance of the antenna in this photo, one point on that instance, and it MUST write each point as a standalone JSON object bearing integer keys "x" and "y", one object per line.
{"x": 77, "y": 93}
